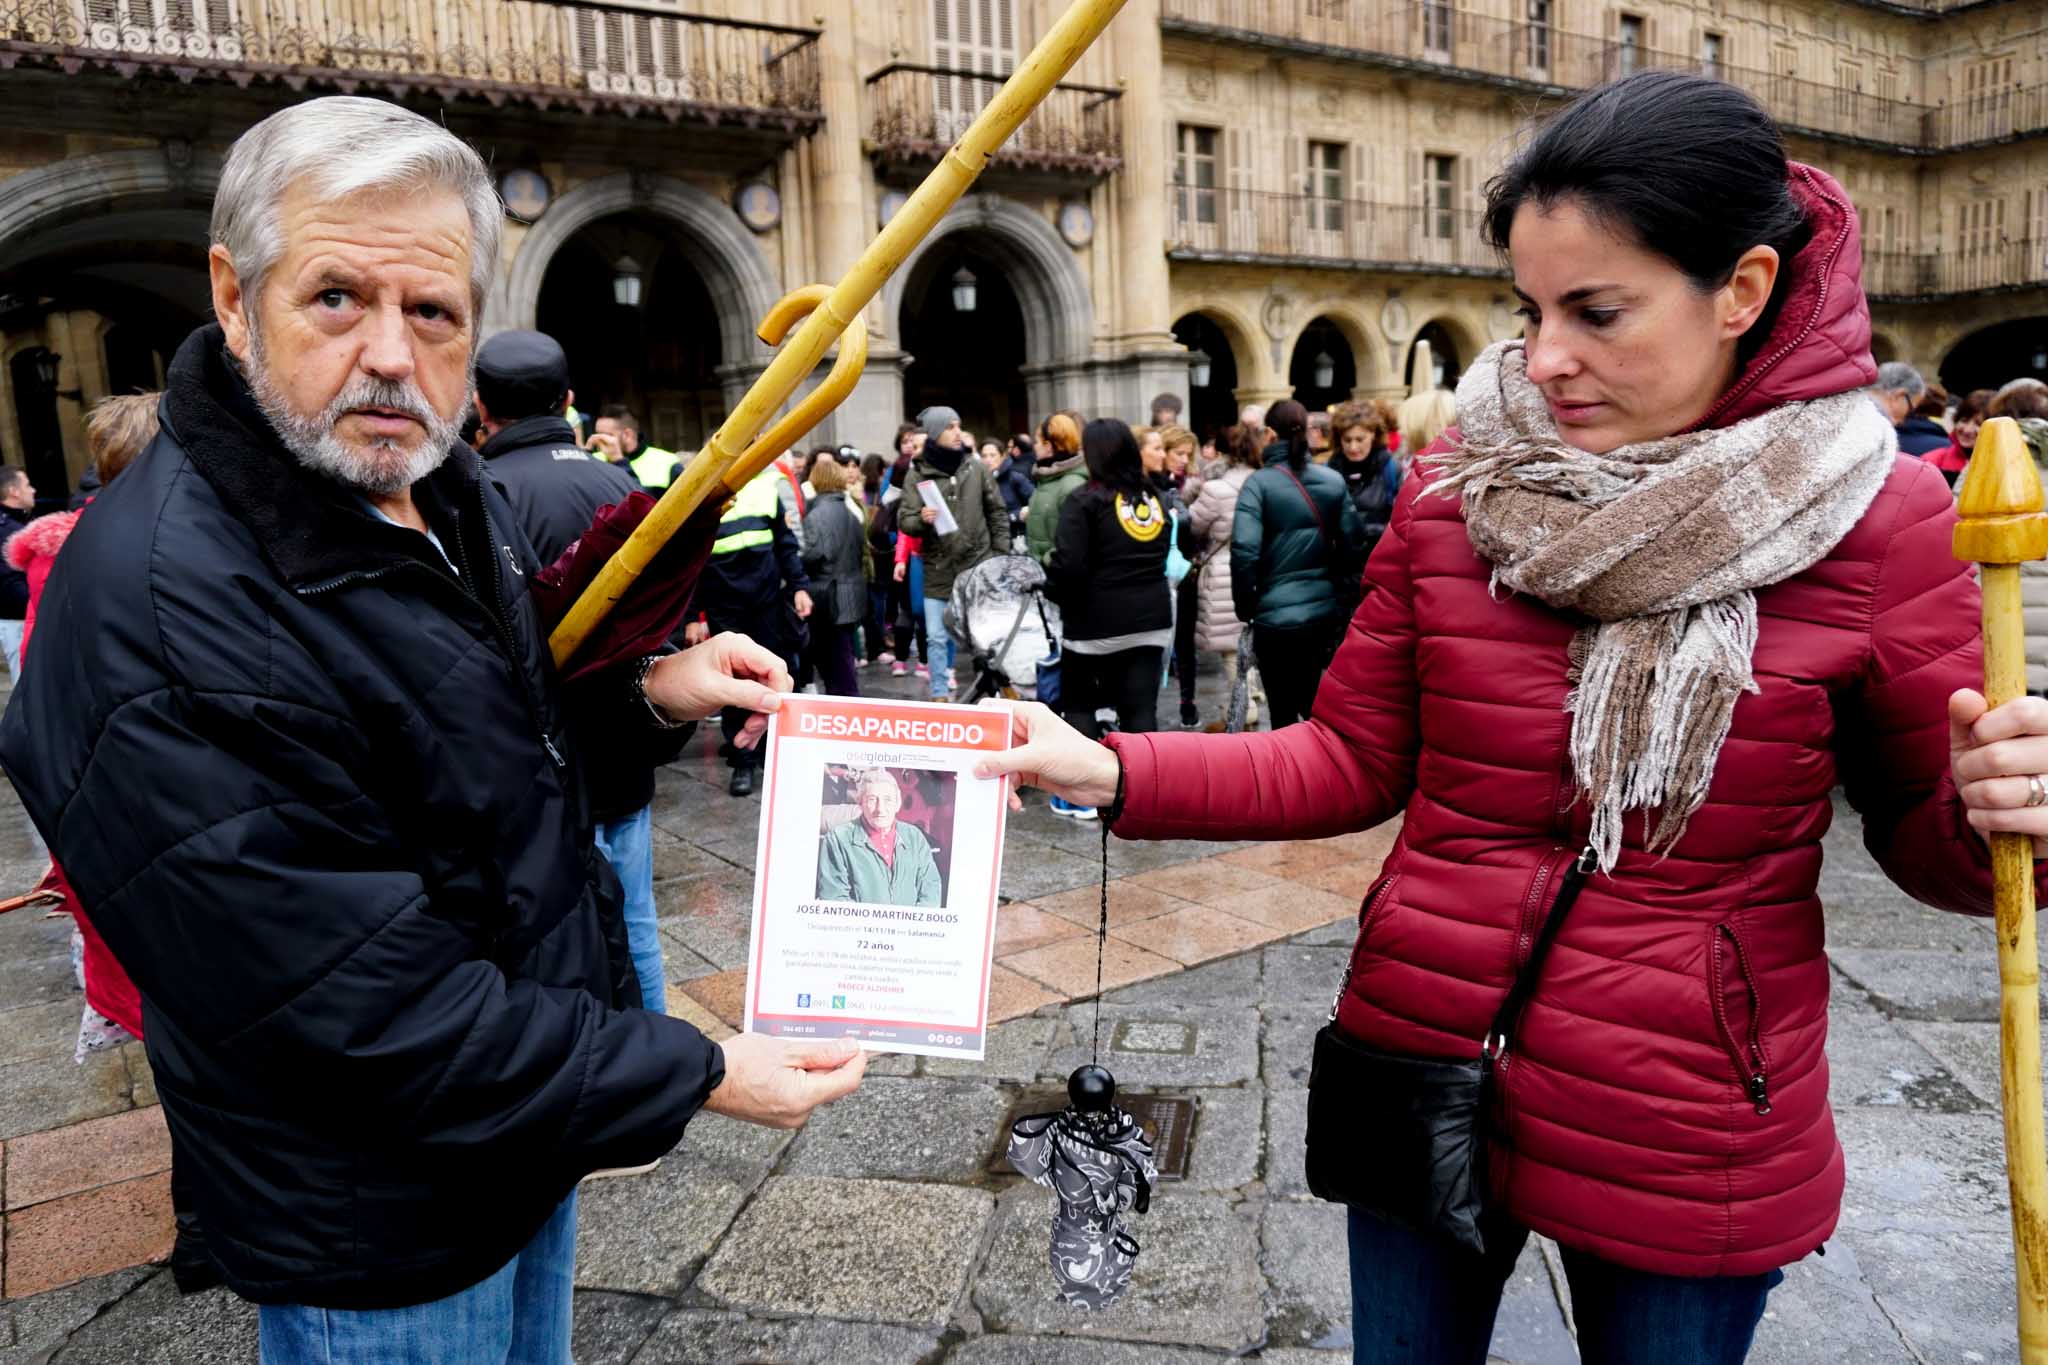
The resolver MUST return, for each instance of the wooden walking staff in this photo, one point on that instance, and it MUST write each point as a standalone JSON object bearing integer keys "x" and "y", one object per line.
{"x": 2003, "y": 527}
{"x": 737, "y": 451}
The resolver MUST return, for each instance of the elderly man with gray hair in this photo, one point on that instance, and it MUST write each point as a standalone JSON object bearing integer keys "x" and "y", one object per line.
{"x": 878, "y": 859}
{"x": 1898, "y": 391}
{"x": 295, "y": 736}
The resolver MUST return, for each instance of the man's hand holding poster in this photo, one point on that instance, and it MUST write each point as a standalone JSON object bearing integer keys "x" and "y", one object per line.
{"x": 875, "y": 889}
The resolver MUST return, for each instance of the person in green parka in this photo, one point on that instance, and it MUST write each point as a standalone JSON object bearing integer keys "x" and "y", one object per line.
{"x": 878, "y": 859}
{"x": 1057, "y": 473}
{"x": 1297, "y": 549}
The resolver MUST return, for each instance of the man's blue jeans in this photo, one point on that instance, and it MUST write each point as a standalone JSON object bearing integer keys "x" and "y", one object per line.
{"x": 520, "y": 1316}
{"x": 629, "y": 844}
{"x": 938, "y": 645}
{"x": 1414, "y": 1299}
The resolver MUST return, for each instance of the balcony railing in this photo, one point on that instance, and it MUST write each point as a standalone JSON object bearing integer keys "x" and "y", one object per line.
{"x": 582, "y": 54}
{"x": 1462, "y": 44}
{"x": 920, "y": 111}
{"x": 1996, "y": 265}
{"x": 1252, "y": 225}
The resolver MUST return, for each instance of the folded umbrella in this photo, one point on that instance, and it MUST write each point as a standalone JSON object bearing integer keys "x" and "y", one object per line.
{"x": 653, "y": 604}
{"x": 1098, "y": 1163}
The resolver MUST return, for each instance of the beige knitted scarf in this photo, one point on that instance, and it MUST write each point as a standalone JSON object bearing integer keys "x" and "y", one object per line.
{"x": 1663, "y": 545}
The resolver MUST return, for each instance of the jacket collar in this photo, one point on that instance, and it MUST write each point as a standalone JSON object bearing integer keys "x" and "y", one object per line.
{"x": 308, "y": 528}
{"x": 1820, "y": 342}
{"x": 1047, "y": 470}
{"x": 1275, "y": 454}
{"x": 543, "y": 430}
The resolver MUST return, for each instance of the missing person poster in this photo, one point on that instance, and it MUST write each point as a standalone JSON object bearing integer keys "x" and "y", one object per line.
{"x": 875, "y": 881}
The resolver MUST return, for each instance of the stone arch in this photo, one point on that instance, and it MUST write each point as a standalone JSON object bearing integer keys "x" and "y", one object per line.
{"x": 742, "y": 286}
{"x": 1059, "y": 313}
{"x": 1469, "y": 338}
{"x": 1248, "y": 345}
{"x": 1883, "y": 348}
{"x": 1357, "y": 333}
{"x": 55, "y": 196}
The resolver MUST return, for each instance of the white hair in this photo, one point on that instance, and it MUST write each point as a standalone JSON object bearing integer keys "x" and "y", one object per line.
{"x": 338, "y": 146}
{"x": 1896, "y": 376}
{"x": 875, "y": 777}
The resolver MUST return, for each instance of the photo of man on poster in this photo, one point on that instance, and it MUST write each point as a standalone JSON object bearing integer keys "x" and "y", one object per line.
{"x": 875, "y": 858}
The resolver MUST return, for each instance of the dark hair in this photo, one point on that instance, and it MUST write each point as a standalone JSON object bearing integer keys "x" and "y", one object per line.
{"x": 905, "y": 430}
{"x": 1169, "y": 401}
{"x": 1288, "y": 421}
{"x": 1026, "y": 447}
{"x": 1112, "y": 455}
{"x": 1975, "y": 404}
{"x": 1687, "y": 167}
{"x": 10, "y": 475}
{"x": 871, "y": 467}
{"x": 621, "y": 414}
{"x": 1242, "y": 443}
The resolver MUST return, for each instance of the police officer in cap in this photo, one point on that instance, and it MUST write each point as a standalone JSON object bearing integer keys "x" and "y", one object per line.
{"x": 530, "y": 452}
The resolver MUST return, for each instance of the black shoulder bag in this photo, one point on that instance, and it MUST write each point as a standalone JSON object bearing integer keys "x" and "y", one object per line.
{"x": 1406, "y": 1137}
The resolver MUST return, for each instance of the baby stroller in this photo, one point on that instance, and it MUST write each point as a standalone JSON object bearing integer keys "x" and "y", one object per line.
{"x": 1000, "y": 615}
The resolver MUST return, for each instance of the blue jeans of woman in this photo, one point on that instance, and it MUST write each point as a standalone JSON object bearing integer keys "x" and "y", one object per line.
{"x": 520, "y": 1316}
{"x": 1416, "y": 1300}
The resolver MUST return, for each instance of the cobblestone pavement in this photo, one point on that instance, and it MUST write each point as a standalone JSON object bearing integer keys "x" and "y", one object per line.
{"x": 880, "y": 1234}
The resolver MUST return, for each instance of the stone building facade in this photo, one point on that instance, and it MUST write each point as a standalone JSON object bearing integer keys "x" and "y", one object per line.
{"x": 1288, "y": 187}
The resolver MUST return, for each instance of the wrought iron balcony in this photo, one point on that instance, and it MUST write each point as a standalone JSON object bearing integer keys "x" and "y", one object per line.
{"x": 633, "y": 58}
{"x": 919, "y": 112}
{"x": 1301, "y": 229}
{"x": 1438, "y": 38}
{"x": 1903, "y": 276}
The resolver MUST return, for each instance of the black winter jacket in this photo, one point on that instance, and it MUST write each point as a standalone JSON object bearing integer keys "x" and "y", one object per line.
{"x": 13, "y": 581}
{"x": 555, "y": 490}
{"x": 833, "y": 532}
{"x": 1918, "y": 435}
{"x": 314, "y": 788}
{"x": 1108, "y": 564}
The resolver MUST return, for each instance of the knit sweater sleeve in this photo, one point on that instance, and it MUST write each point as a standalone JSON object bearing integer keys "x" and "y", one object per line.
{"x": 1891, "y": 740}
{"x": 1349, "y": 766}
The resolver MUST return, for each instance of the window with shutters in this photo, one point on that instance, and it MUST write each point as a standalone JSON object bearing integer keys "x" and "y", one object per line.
{"x": 1987, "y": 99}
{"x": 1629, "y": 53}
{"x": 1436, "y": 30}
{"x": 1848, "y": 86}
{"x": 1713, "y": 58}
{"x": 1980, "y": 231}
{"x": 1439, "y": 197}
{"x": 197, "y": 24}
{"x": 1194, "y": 175}
{"x": 977, "y": 36}
{"x": 1323, "y": 182}
{"x": 1536, "y": 41}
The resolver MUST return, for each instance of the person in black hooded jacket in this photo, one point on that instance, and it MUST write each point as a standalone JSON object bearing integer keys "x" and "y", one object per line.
{"x": 295, "y": 735}
{"x": 1108, "y": 573}
{"x": 556, "y": 490}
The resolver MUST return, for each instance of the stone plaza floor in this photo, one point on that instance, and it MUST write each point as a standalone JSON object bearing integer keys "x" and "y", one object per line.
{"x": 881, "y": 1235}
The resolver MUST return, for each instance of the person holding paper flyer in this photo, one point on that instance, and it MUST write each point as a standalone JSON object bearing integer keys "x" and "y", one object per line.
{"x": 878, "y": 859}
{"x": 321, "y": 789}
{"x": 951, "y": 506}
{"x": 1664, "y": 590}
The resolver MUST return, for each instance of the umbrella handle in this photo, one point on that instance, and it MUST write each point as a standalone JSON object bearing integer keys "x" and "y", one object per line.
{"x": 2001, "y": 527}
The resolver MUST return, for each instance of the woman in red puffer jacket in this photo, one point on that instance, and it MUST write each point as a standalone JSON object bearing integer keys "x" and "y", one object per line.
{"x": 1665, "y": 587}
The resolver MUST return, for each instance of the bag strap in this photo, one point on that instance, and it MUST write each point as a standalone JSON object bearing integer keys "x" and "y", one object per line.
{"x": 1502, "y": 1029}
{"x": 1302, "y": 489}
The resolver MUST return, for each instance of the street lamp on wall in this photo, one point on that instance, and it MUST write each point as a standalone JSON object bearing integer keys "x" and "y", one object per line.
{"x": 626, "y": 281}
{"x": 46, "y": 361}
{"x": 964, "y": 292}
{"x": 1326, "y": 370}
{"x": 1198, "y": 369}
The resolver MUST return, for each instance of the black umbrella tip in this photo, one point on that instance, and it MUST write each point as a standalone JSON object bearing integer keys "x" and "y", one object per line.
{"x": 1092, "y": 1089}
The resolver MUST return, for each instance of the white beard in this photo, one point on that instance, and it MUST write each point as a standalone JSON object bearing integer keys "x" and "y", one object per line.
{"x": 379, "y": 469}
